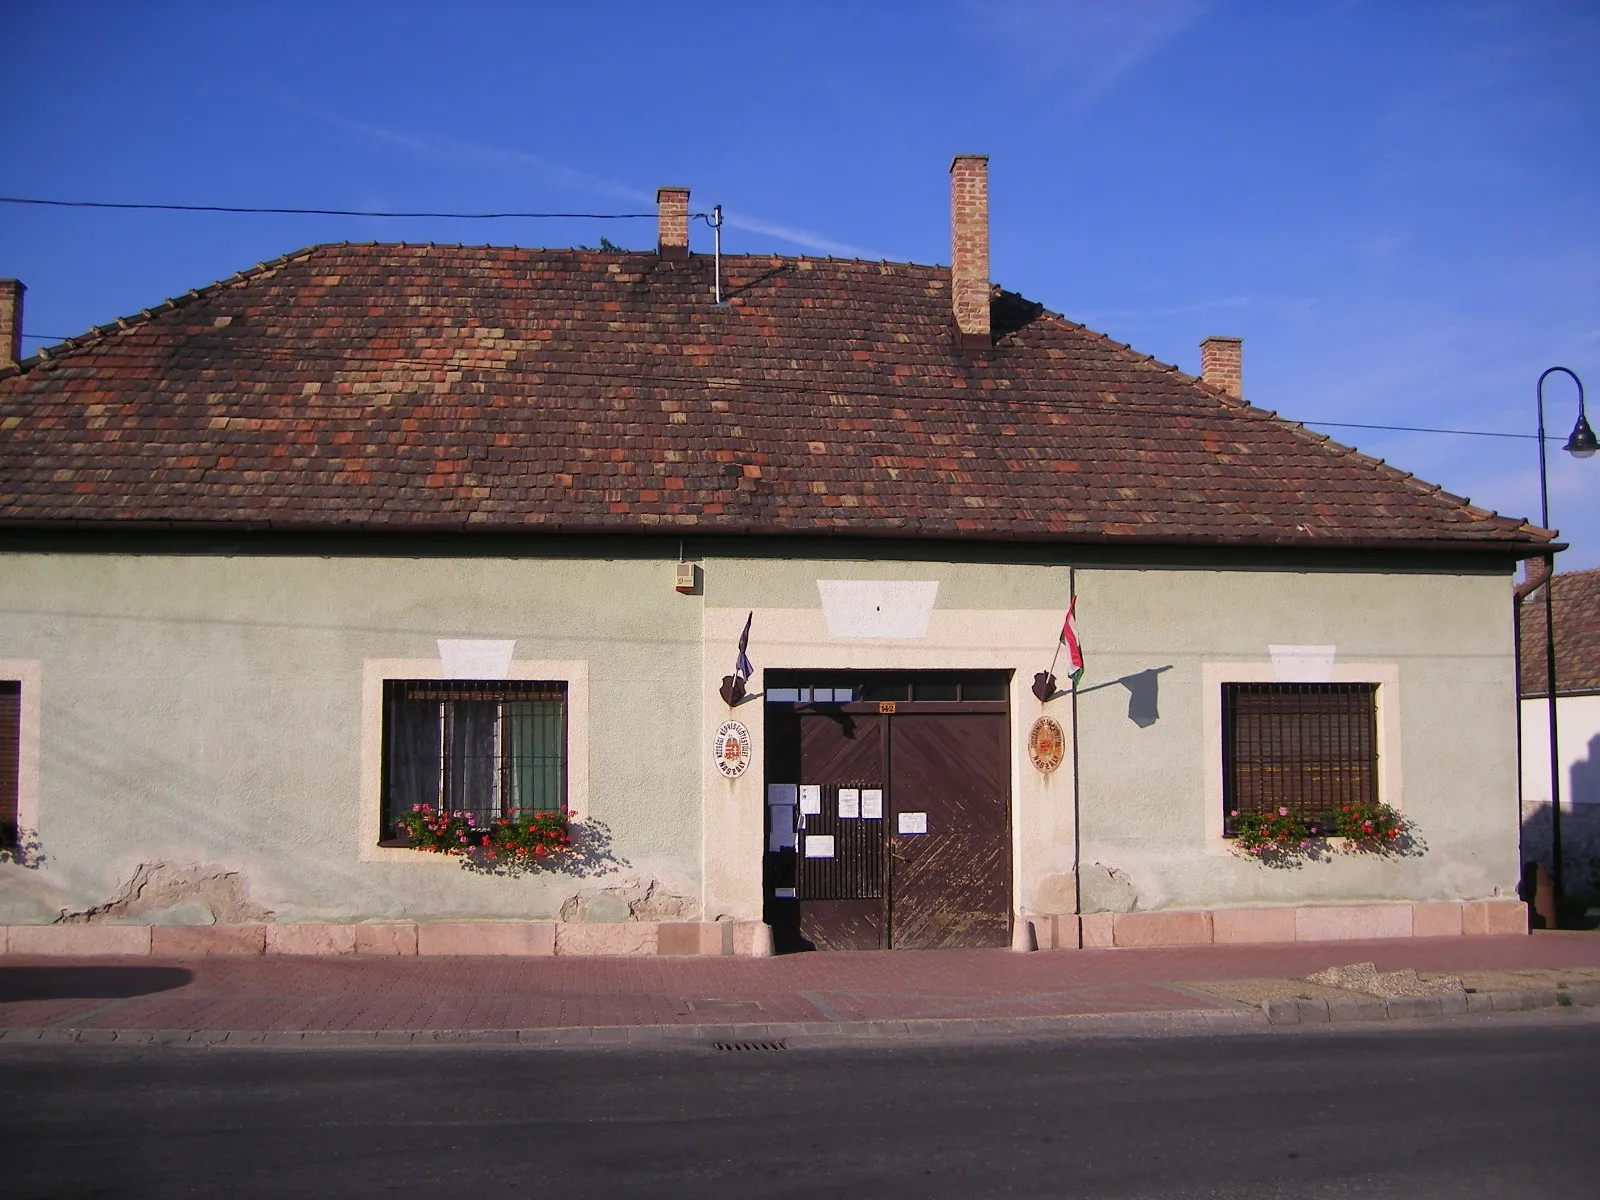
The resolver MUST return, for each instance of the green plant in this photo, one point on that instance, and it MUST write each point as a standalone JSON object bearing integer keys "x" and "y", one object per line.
{"x": 1372, "y": 828}
{"x": 527, "y": 839}
{"x": 1270, "y": 834}
{"x": 1284, "y": 838}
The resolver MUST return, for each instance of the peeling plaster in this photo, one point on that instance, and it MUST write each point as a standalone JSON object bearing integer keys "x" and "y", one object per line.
{"x": 1108, "y": 889}
{"x": 636, "y": 900}
{"x": 164, "y": 894}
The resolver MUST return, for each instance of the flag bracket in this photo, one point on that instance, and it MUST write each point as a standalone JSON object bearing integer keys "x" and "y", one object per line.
{"x": 732, "y": 690}
{"x": 1044, "y": 687}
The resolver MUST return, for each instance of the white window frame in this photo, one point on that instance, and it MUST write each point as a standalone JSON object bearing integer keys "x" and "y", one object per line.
{"x": 29, "y": 672}
{"x": 574, "y": 673}
{"x": 1386, "y": 698}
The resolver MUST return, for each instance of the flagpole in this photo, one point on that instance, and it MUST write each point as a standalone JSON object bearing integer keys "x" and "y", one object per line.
{"x": 1077, "y": 824}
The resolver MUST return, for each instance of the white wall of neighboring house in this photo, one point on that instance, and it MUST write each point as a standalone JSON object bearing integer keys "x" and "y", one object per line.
{"x": 1578, "y": 745}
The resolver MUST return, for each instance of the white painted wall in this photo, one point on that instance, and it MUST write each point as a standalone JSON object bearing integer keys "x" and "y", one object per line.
{"x": 1578, "y": 744}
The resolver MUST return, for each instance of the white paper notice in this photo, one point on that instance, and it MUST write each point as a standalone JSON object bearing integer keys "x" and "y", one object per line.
{"x": 872, "y": 803}
{"x": 782, "y": 835}
{"x": 781, "y": 793}
{"x": 811, "y": 798}
{"x": 914, "y": 822}
{"x": 819, "y": 845}
{"x": 849, "y": 802}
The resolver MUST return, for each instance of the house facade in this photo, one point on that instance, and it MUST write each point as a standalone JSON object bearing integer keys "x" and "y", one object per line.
{"x": 1576, "y": 603}
{"x": 372, "y": 530}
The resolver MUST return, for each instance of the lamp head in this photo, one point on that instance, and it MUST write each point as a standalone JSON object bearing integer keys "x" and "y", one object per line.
{"x": 1582, "y": 443}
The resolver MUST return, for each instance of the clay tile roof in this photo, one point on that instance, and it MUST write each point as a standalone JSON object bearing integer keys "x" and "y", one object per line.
{"x": 1576, "y": 601}
{"x": 431, "y": 387}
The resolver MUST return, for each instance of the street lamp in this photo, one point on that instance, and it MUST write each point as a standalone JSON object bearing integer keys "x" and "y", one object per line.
{"x": 1581, "y": 444}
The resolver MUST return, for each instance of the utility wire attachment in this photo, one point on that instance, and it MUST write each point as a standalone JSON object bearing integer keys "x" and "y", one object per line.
{"x": 714, "y": 219}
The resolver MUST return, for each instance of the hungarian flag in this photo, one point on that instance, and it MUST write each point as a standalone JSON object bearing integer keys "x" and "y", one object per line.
{"x": 1069, "y": 639}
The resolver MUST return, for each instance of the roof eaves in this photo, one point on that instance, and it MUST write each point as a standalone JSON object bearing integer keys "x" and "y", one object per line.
{"x": 916, "y": 530}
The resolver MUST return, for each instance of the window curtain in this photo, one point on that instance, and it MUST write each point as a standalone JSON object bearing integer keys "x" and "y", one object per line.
{"x": 533, "y": 755}
{"x": 470, "y": 736}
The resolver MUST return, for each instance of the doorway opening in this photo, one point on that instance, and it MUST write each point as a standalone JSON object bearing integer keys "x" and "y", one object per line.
{"x": 888, "y": 809}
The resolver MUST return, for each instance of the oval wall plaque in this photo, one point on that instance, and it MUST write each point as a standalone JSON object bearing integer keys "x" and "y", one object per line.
{"x": 1046, "y": 744}
{"x": 731, "y": 749}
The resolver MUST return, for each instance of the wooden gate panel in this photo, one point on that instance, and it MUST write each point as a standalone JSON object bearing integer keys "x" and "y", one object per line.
{"x": 950, "y": 886}
{"x": 841, "y": 900}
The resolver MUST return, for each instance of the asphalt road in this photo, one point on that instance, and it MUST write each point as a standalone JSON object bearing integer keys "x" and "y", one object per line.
{"x": 1480, "y": 1110}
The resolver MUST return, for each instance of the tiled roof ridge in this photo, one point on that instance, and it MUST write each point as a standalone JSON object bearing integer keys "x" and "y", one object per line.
{"x": 1224, "y": 400}
{"x": 1142, "y": 372}
{"x": 1299, "y": 429}
{"x": 97, "y": 334}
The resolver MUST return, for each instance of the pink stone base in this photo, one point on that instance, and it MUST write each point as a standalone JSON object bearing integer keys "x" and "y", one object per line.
{"x": 505, "y": 938}
{"x": 1305, "y": 923}
{"x": 198, "y": 941}
{"x": 78, "y": 940}
{"x": 1061, "y": 931}
{"x": 1241, "y": 926}
{"x": 1162, "y": 929}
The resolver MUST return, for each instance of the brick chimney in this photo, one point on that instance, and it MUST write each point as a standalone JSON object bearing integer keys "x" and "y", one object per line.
{"x": 1220, "y": 364}
{"x": 10, "y": 322}
{"x": 969, "y": 250}
{"x": 672, "y": 222}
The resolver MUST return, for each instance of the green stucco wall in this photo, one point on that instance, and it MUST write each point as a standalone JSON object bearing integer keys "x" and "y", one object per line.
{"x": 206, "y": 711}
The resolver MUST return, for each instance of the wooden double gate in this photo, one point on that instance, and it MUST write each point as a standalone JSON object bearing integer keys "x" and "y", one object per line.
{"x": 900, "y": 831}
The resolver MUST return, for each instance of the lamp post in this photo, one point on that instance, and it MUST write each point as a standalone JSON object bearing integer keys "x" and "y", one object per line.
{"x": 1581, "y": 444}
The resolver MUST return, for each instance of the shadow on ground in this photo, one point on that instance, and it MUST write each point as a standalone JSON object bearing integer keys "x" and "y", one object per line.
{"x": 87, "y": 983}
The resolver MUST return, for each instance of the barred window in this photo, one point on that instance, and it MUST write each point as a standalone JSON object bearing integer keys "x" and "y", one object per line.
{"x": 1307, "y": 747}
{"x": 491, "y": 749}
{"x": 10, "y": 759}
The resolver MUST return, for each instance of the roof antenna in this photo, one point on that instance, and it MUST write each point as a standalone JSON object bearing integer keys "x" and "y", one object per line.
{"x": 714, "y": 219}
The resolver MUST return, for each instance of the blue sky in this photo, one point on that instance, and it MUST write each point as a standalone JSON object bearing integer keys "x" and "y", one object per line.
{"x": 1393, "y": 204}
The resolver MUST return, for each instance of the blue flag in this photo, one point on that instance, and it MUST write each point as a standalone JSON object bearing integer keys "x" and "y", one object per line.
{"x": 741, "y": 665}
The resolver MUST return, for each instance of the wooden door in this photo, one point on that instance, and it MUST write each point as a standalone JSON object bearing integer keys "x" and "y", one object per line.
{"x": 841, "y": 900}
{"x": 949, "y": 886}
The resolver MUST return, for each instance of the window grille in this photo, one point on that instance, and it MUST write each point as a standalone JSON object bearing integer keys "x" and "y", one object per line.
{"x": 10, "y": 759}
{"x": 1307, "y": 747}
{"x": 490, "y": 749}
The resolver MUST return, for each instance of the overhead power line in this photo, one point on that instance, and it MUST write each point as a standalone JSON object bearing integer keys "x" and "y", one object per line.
{"x": 1532, "y": 437}
{"x": 325, "y": 212}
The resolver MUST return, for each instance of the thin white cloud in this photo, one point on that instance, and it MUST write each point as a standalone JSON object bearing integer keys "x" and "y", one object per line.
{"x": 1273, "y": 305}
{"x": 497, "y": 158}
{"x": 799, "y": 237}
{"x": 1095, "y": 42}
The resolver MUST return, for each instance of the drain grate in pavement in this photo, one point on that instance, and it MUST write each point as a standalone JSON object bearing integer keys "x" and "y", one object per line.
{"x": 750, "y": 1045}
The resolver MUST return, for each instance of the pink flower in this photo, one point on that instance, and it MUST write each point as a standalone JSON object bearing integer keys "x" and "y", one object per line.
{"x": 1283, "y": 812}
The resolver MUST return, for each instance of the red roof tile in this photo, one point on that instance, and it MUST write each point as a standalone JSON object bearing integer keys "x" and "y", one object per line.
{"x": 411, "y": 387}
{"x": 1576, "y": 601}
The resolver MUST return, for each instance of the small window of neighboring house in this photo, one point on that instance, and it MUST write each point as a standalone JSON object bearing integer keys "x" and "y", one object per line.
{"x": 491, "y": 749}
{"x": 10, "y": 760}
{"x": 1307, "y": 747}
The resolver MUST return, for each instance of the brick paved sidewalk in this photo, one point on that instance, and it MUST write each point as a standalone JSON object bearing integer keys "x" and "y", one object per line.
{"x": 328, "y": 994}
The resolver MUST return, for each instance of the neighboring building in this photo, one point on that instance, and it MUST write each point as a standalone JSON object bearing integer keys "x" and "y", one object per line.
{"x": 372, "y": 526}
{"x": 1576, "y": 601}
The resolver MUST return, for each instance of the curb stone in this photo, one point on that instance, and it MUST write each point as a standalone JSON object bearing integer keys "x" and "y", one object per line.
{"x": 956, "y": 1029}
{"x": 1401, "y": 1008}
{"x": 821, "y": 1033}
